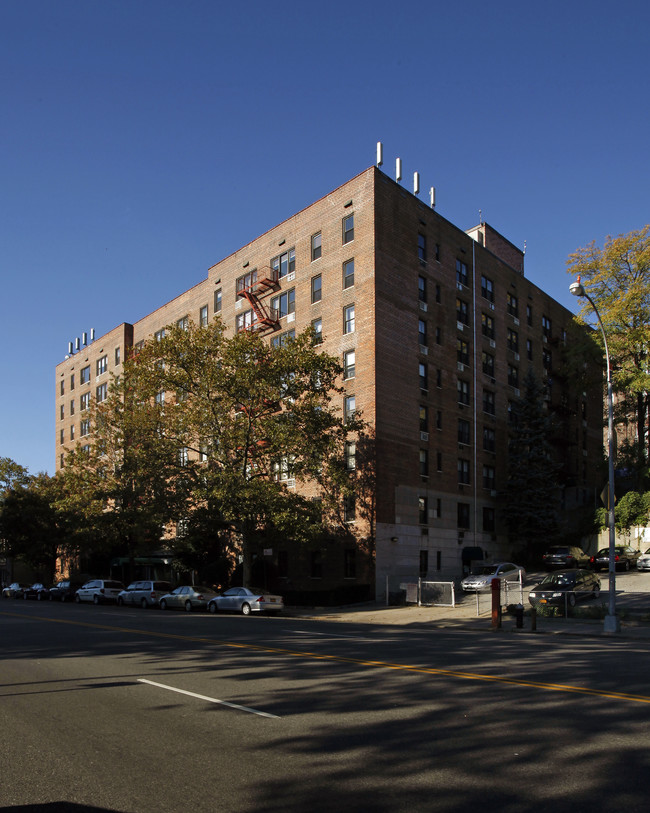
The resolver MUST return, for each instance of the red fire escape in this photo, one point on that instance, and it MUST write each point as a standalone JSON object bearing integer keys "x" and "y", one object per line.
{"x": 252, "y": 288}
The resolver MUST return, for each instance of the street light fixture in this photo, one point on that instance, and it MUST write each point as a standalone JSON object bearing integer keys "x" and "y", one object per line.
{"x": 611, "y": 621}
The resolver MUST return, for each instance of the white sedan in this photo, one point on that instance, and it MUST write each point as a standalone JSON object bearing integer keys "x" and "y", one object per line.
{"x": 643, "y": 562}
{"x": 246, "y": 601}
{"x": 481, "y": 576}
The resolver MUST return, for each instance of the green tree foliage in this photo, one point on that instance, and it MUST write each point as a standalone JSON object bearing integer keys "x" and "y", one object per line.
{"x": 617, "y": 278}
{"x": 31, "y": 526}
{"x": 243, "y": 416}
{"x": 532, "y": 491}
{"x": 12, "y": 474}
{"x": 632, "y": 509}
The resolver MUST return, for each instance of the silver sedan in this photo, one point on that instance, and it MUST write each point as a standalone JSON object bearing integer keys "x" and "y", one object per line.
{"x": 187, "y": 597}
{"x": 481, "y": 576}
{"x": 246, "y": 600}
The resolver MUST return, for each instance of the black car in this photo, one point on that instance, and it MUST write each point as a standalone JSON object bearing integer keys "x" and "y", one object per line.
{"x": 64, "y": 590}
{"x": 624, "y": 558}
{"x": 564, "y": 557}
{"x": 37, "y": 590}
{"x": 564, "y": 588}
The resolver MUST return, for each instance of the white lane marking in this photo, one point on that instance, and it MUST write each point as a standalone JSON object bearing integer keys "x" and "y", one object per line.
{"x": 210, "y": 699}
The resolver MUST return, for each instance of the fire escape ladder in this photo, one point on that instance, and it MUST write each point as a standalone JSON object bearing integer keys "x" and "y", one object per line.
{"x": 265, "y": 282}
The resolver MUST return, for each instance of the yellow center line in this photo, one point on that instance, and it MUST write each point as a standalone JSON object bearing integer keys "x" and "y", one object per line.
{"x": 425, "y": 670}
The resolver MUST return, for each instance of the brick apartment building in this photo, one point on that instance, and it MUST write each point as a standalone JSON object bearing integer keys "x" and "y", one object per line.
{"x": 435, "y": 327}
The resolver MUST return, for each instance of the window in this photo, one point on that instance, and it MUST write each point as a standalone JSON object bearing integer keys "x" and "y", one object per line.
{"x": 118, "y": 356}
{"x": 349, "y": 508}
{"x": 423, "y": 373}
{"x": 487, "y": 361}
{"x": 423, "y": 511}
{"x": 547, "y": 360}
{"x": 424, "y": 562}
{"x": 487, "y": 289}
{"x": 84, "y": 428}
{"x": 183, "y": 455}
{"x": 463, "y": 514}
{"x": 438, "y": 461}
{"x": 62, "y": 388}
{"x": 424, "y": 463}
{"x": 438, "y": 336}
{"x": 439, "y": 378}
{"x": 159, "y": 335}
{"x": 84, "y": 375}
{"x": 348, "y": 319}
{"x": 438, "y": 293}
{"x": 422, "y": 289}
{"x": 349, "y": 408}
{"x": 62, "y": 412}
{"x": 316, "y": 289}
{"x": 461, "y": 272}
{"x": 284, "y": 264}
{"x": 422, "y": 332}
{"x": 61, "y": 435}
{"x": 102, "y": 393}
{"x": 284, "y": 303}
{"x": 529, "y": 349}
{"x": 203, "y": 316}
{"x": 513, "y": 340}
{"x": 438, "y": 419}
{"x": 513, "y": 376}
{"x": 84, "y": 401}
{"x": 489, "y": 439}
{"x": 348, "y": 273}
{"x": 72, "y": 432}
{"x": 282, "y": 339}
{"x": 102, "y": 365}
{"x": 349, "y": 564}
{"x": 72, "y": 381}
{"x": 512, "y": 305}
{"x": 462, "y": 312}
{"x": 217, "y": 300}
{"x": 422, "y": 247}
{"x": 463, "y": 392}
{"x": 246, "y": 281}
{"x": 183, "y": 323}
{"x": 487, "y": 326}
{"x": 529, "y": 314}
{"x": 160, "y": 398}
{"x": 463, "y": 431}
{"x": 350, "y": 455}
{"x": 348, "y": 229}
{"x": 488, "y": 477}
{"x": 462, "y": 351}
{"x": 72, "y": 407}
{"x": 546, "y": 327}
{"x": 316, "y": 247}
{"x": 245, "y": 320}
{"x": 317, "y": 325}
{"x": 348, "y": 364}
{"x": 489, "y": 402}
{"x": 489, "y": 521}
{"x": 424, "y": 419}
{"x": 463, "y": 471}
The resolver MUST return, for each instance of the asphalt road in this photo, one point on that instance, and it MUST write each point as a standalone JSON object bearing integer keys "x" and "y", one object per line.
{"x": 136, "y": 710}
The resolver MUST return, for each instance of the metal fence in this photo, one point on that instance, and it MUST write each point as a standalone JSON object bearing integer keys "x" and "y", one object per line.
{"x": 421, "y": 592}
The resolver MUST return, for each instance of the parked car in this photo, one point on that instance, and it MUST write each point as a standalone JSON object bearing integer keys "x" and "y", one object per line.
{"x": 643, "y": 562}
{"x": 65, "y": 590}
{"x": 99, "y": 591}
{"x": 37, "y": 590}
{"x": 565, "y": 587}
{"x": 15, "y": 590}
{"x": 625, "y": 558}
{"x": 246, "y": 600}
{"x": 146, "y": 593}
{"x": 481, "y": 576}
{"x": 565, "y": 557}
{"x": 187, "y": 597}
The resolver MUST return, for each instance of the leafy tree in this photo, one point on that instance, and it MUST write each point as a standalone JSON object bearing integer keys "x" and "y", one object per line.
{"x": 532, "y": 488}
{"x": 12, "y": 474}
{"x": 250, "y": 416}
{"x": 617, "y": 278}
{"x": 125, "y": 486}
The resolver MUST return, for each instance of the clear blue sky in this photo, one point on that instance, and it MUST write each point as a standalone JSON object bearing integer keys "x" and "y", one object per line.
{"x": 141, "y": 141}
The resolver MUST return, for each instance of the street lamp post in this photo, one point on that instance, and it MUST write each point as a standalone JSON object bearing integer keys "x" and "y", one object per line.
{"x": 611, "y": 621}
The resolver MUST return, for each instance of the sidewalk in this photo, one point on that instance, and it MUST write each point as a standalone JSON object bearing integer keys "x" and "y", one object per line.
{"x": 463, "y": 616}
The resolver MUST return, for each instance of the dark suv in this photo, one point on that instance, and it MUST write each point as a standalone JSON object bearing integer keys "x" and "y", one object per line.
{"x": 64, "y": 590}
{"x": 564, "y": 557}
